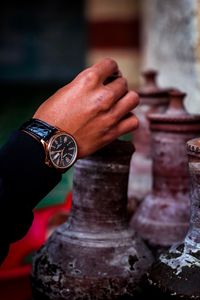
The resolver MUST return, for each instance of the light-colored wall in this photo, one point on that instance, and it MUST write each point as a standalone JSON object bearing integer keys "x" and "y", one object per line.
{"x": 171, "y": 44}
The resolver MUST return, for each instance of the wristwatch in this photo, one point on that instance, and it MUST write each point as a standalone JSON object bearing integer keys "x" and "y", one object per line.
{"x": 60, "y": 147}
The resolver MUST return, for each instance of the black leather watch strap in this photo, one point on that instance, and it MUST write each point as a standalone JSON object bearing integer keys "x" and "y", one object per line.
{"x": 39, "y": 129}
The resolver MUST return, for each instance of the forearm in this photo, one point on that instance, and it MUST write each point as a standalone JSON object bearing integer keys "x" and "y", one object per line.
{"x": 24, "y": 181}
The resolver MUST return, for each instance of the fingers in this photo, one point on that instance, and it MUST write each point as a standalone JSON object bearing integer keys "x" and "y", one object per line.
{"x": 126, "y": 125}
{"x": 106, "y": 68}
{"x": 119, "y": 88}
{"x": 124, "y": 106}
{"x": 101, "y": 73}
{"x": 109, "y": 94}
{"x": 112, "y": 77}
{"x": 116, "y": 82}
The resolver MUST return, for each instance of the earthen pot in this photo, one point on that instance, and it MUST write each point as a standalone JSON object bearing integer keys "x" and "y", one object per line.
{"x": 177, "y": 272}
{"x": 163, "y": 217}
{"x": 94, "y": 255}
{"x": 152, "y": 99}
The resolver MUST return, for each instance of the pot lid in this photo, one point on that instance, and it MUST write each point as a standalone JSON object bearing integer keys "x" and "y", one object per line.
{"x": 176, "y": 112}
{"x": 150, "y": 89}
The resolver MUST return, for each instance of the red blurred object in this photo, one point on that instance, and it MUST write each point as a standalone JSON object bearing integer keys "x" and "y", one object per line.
{"x": 15, "y": 284}
{"x": 15, "y": 270}
{"x": 36, "y": 235}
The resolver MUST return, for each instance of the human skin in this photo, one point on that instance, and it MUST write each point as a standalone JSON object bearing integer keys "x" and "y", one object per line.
{"x": 94, "y": 109}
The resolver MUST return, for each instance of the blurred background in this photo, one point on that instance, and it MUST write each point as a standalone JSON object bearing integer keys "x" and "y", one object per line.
{"x": 45, "y": 44}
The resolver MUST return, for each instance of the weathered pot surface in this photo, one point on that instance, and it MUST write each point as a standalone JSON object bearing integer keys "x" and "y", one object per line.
{"x": 163, "y": 217}
{"x": 177, "y": 272}
{"x": 94, "y": 255}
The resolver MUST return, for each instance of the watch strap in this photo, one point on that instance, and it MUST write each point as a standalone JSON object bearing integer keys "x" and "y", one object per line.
{"x": 38, "y": 129}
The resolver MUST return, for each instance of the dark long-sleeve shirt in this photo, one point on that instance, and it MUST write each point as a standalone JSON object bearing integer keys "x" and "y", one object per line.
{"x": 24, "y": 181}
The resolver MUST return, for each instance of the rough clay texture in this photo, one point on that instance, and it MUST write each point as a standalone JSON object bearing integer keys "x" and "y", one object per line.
{"x": 94, "y": 256}
{"x": 177, "y": 272}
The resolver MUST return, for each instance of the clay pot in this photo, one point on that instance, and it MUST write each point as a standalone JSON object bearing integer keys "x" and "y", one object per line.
{"x": 177, "y": 272}
{"x": 163, "y": 217}
{"x": 152, "y": 99}
{"x": 94, "y": 255}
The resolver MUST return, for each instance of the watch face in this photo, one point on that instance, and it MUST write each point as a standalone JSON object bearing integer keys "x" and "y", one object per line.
{"x": 62, "y": 150}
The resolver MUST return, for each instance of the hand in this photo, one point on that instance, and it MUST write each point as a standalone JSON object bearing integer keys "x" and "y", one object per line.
{"x": 94, "y": 108}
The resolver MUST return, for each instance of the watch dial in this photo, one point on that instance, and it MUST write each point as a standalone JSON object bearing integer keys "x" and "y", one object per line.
{"x": 62, "y": 150}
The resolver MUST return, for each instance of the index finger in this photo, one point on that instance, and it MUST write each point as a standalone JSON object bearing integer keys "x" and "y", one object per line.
{"x": 106, "y": 68}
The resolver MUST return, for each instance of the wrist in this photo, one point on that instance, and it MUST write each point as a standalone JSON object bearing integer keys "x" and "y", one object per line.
{"x": 60, "y": 147}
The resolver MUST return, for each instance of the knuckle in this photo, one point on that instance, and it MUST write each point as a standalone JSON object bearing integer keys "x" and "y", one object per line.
{"x": 133, "y": 103}
{"x": 101, "y": 102}
{"x": 124, "y": 82}
{"x": 134, "y": 122}
{"x": 134, "y": 96}
{"x": 114, "y": 118}
{"x": 93, "y": 109}
{"x": 104, "y": 106}
{"x": 110, "y": 94}
{"x": 105, "y": 99}
{"x": 111, "y": 62}
{"x": 111, "y": 120}
{"x": 90, "y": 76}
